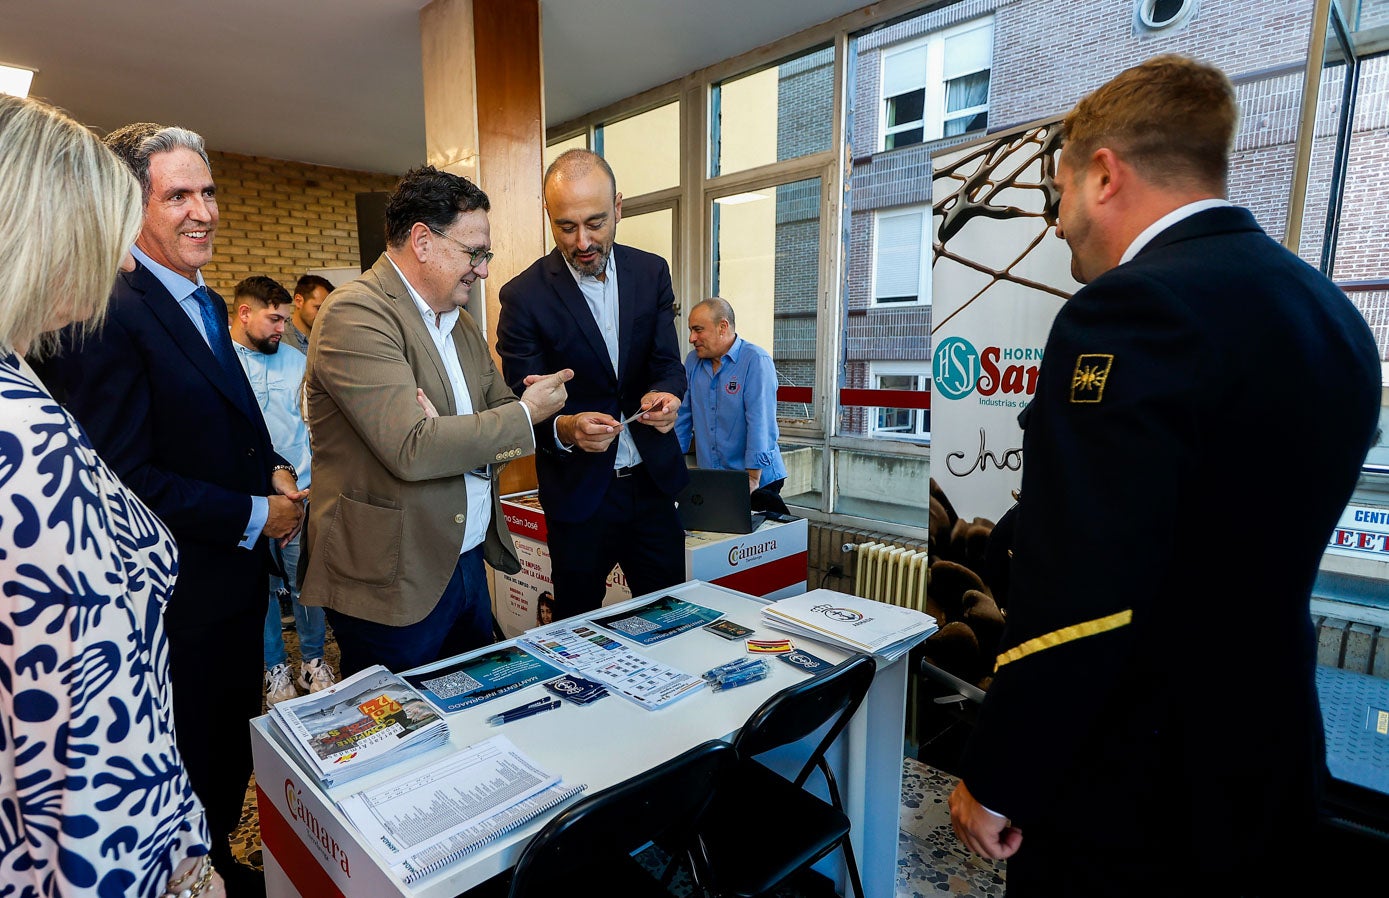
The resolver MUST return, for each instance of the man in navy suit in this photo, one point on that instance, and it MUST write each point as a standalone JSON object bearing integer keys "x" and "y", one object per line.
{"x": 1150, "y": 730}
{"x": 607, "y": 483}
{"x": 164, "y": 400}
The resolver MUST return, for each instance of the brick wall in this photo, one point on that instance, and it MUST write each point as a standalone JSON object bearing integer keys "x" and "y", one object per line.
{"x": 282, "y": 218}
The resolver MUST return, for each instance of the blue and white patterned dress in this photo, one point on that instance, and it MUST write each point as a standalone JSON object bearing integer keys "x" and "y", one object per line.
{"x": 93, "y": 796}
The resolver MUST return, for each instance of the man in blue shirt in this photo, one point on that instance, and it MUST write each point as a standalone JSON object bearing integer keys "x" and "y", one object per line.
{"x": 729, "y": 410}
{"x": 261, "y": 310}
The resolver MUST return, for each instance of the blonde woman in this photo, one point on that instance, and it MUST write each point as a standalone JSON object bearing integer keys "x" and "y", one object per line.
{"x": 93, "y": 796}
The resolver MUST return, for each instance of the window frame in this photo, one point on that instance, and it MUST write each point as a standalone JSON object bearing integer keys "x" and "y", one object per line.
{"x": 918, "y": 368}
{"x": 923, "y": 269}
{"x": 933, "y": 84}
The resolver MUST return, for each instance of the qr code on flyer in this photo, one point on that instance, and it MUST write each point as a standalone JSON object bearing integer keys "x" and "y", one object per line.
{"x": 634, "y": 626}
{"x": 454, "y": 684}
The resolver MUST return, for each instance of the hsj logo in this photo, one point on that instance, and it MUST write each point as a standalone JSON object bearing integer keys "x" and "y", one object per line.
{"x": 954, "y": 368}
{"x": 958, "y": 369}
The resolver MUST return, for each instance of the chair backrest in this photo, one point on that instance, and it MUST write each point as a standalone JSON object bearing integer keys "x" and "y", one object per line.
{"x": 662, "y": 805}
{"x": 799, "y": 710}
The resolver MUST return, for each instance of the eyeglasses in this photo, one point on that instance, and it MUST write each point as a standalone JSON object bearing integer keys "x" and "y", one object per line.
{"x": 476, "y": 256}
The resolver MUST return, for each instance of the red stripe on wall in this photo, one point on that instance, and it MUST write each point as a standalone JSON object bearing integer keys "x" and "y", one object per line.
{"x": 887, "y": 398}
{"x": 769, "y": 577}
{"x": 882, "y": 398}
{"x": 294, "y": 856}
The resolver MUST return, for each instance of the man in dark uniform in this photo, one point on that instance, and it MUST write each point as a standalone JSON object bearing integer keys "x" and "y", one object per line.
{"x": 1108, "y": 759}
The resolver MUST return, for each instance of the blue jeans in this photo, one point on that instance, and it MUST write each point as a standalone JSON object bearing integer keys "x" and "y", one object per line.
{"x": 309, "y": 622}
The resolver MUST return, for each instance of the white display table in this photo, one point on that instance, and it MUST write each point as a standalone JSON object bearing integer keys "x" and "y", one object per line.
{"x": 772, "y": 563}
{"x": 310, "y": 850}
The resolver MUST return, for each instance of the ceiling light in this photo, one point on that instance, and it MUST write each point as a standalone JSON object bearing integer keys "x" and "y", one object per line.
{"x": 737, "y": 199}
{"x": 15, "y": 80}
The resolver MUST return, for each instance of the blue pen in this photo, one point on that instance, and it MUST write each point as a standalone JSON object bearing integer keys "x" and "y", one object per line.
{"x": 535, "y": 707}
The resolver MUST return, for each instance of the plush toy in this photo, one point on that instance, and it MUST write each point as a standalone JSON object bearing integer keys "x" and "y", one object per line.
{"x": 967, "y": 588}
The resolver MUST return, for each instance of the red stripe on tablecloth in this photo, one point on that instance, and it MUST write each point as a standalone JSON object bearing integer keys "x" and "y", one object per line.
{"x": 279, "y": 838}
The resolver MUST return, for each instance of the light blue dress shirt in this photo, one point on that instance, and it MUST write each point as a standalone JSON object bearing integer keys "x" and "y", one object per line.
{"x": 277, "y": 379}
{"x": 731, "y": 415}
{"x": 182, "y": 290}
{"x": 601, "y": 297}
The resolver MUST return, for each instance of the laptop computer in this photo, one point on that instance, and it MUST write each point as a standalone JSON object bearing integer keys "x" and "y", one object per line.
{"x": 718, "y": 501}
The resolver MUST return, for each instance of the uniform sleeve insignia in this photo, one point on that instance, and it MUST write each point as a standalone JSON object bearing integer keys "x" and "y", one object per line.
{"x": 1091, "y": 374}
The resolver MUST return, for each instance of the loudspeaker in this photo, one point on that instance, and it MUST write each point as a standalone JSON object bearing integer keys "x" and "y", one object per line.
{"x": 371, "y": 227}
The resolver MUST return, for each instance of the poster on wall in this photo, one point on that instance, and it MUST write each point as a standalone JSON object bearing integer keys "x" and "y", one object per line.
{"x": 999, "y": 275}
{"x": 1362, "y": 532}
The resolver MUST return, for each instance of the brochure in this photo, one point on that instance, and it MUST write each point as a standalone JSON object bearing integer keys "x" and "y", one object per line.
{"x": 575, "y": 647}
{"x": 368, "y": 721}
{"x": 456, "y": 684}
{"x": 642, "y": 680}
{"x": 658, "y": 620}
{"x": 851, "y": 622}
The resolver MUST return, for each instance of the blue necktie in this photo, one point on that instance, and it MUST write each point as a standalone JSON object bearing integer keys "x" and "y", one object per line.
{"x": 215, "y": 324}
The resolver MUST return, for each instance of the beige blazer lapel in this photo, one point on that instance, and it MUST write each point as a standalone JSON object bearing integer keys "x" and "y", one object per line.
{"x": 412, "y": 324}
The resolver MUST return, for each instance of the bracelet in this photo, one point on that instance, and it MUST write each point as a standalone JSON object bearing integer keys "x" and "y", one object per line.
{"x": 290, "y": 468}
{"x": 196, "y": 888}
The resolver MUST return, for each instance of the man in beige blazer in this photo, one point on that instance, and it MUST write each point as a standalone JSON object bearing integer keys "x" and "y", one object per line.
{"x": 403, "y": 510}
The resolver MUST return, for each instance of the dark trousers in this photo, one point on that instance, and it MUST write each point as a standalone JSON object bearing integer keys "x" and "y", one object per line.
{"x": 215, "y": 672}
{"x": 635, "y": 526}
{"x": 461, "y": 621}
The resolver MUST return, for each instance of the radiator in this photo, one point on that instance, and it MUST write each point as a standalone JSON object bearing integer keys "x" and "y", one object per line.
{"x": 890, "y": 574}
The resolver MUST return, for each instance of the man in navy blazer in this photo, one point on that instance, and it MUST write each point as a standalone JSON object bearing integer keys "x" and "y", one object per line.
{"x": 1111, "y": 757}
{"x": 163, "y": 399}
{"x": 607, "y": 483}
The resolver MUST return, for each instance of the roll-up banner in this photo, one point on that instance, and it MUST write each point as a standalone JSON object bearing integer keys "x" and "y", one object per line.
{"x": 999, "y": 275}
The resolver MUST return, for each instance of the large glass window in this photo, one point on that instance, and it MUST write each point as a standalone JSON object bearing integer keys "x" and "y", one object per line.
{"x": 643, "y": 150}
{"x": 652, "y": 231}
{"x": 778, "y": 113}
{"x": 825, "y": 254}
{"x": 767, "y": 265}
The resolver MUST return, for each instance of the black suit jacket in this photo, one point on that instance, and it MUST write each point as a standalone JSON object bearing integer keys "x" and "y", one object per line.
{"x": 545, "y": 325}
{"x": 185, "y": 435}
{"x": 1199, "y": 424}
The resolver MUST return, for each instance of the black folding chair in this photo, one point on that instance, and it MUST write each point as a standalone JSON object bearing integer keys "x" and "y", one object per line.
{"x": 587, "y": 850}
{"x": 761, "y": 828}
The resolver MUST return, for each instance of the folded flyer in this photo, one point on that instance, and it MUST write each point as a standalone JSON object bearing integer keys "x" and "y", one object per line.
{"x": 460, "y": 683}
{"x": 658, "y": 620}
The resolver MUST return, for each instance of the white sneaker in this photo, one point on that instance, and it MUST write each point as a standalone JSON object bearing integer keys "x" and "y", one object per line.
{"x": 315, "y": 675}
{"x": 278, "y": 684}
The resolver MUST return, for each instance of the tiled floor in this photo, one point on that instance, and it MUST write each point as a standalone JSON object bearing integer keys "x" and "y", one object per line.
{"x": 930, "y": 860}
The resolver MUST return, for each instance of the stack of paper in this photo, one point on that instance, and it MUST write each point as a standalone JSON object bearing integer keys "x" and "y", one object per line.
{"x": 857, "y": 624}
{"x": 429, "y": 818}
{"x": 368, "y": 721}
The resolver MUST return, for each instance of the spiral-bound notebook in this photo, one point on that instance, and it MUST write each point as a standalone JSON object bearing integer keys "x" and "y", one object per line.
{"x": 439, "y": 856}
{"x": 425, "y": 820}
